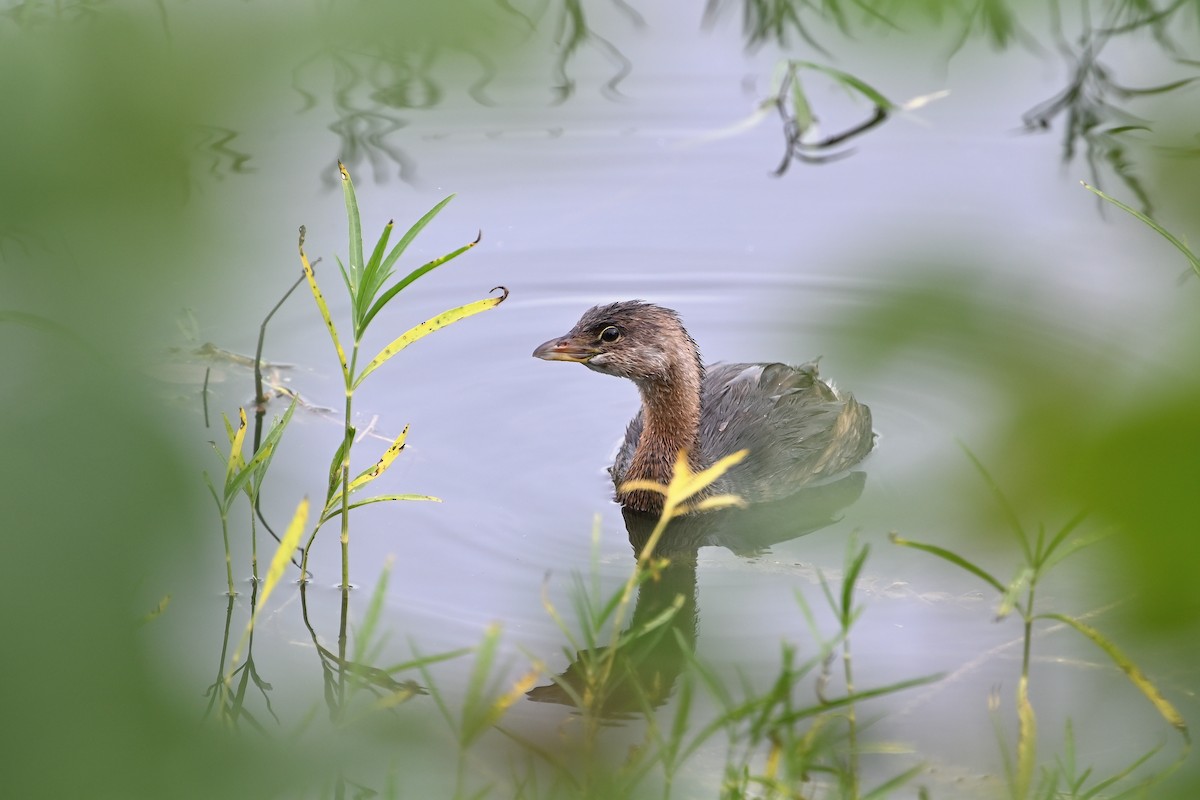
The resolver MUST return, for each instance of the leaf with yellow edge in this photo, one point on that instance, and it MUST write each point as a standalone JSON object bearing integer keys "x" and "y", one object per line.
{"x": 235, "y": 447}
{"x": 1026, "y": 738}
{"x": 323, "y": 307}
{"x": 686, "y": 484}
{"x": 333, "y": 510}
{"x": 715, "y": 502}
{"x": 1131, "y": 670}
{"x": 384, "y": 462}
{"x": 427, "y": 327}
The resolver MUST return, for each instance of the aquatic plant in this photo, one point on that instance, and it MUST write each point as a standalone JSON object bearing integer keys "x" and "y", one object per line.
{"x": 1040, "y": 554}
{"x": 245, "y": 476}
{"x": 365, "y": 281}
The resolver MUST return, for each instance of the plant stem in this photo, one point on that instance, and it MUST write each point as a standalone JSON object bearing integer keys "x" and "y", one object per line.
{"x": 228, "y": 560}
{"x": 346, "y": 469}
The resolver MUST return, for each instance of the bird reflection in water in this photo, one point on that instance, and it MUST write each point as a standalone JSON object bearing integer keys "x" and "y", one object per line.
{"x": 646, "y": 666}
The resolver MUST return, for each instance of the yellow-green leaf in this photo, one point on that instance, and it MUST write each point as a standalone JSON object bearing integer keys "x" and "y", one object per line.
{"x": 427, "y": 327}
{"x": 1131, "y": 670}
{"x": 235, "y": 451}
{"x": 381, "y": 466}
{"x": 323, "y": 307}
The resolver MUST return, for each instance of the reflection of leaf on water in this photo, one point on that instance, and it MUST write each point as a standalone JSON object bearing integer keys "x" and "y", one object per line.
{"x": 571, "y": 33}
{"x": 214, "y": 143}
{"x": 1093, "y": 123}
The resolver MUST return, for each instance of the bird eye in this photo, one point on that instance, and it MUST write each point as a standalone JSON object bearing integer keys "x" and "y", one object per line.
{"x": 610, "y": 334}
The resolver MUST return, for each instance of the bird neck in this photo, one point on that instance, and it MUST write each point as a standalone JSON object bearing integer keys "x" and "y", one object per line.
{"x": 671, "y": 422}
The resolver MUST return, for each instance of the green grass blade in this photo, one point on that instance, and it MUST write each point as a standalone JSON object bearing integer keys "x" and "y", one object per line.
{"x": 323, "y": 307}
{"x": 382, "y": 498}
{"x": 374, "y": 276}
{"x": 394, "y": 255}
{"x": 854, "y": 569}
{"x": 404, "y": 282}
{"x": 427, "y": 327}
{"x": 355, "y": 223}
{"x": 1163, "y": 232}
{"x": 370, "y": 620}
{"x": 473, "y": 703}
{"x": 953, "y": 558}
{"x": 1014, "y": 521}
{"x": 886, "y": 788}
{"x": 1131, "y": 670}
{"x": 417, "y": 663}
{"x": 271, "y": 440}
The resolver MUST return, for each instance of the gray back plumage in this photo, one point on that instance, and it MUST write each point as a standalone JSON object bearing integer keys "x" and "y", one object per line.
{"x": 797, "y": 428}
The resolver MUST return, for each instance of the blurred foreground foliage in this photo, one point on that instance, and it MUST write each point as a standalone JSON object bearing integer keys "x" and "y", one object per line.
{"x": 1073, "y": 425}
{"x": 113, "y": 111}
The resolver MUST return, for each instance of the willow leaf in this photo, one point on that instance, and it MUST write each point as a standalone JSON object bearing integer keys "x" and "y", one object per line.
{"x": 953, "y": 558}
{"x": 234, "y": 464}
{"x": 400, "y": 285}
{"x": 1131, "y": 670}
{"x": 383, "y": 498}
{"x": 323, "y": 307}
{"x": 355, "y": 222}
{"x": 427, "y": 327}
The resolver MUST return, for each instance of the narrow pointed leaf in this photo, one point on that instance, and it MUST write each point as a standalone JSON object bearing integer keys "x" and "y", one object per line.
{"x": 323, "y": 307}
{"x": 355, "y": 222}
{"x": 953, "y": 558}
{"x": 383, "y": 498}
{"x": 394, "y": 255}
{"x": 718, "y": 501}
{"x": 384, "y": 462}
{"x": 427, "y": 327}
{"x": 1131, "y": 670}
{"x": 374, "y": 276}
{"x": 269, "y": 443}
{"x": 1163, "y": 232}
{"x": 235, "y": 454}
{"x": 403, "y": 283}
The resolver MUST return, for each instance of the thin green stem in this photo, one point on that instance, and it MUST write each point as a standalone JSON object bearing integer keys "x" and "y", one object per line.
{"x": 346, "y": 468}
{"x": 228, "y": 559}
{"x": 253, "y": 541}
{"x": 852, "y": 737}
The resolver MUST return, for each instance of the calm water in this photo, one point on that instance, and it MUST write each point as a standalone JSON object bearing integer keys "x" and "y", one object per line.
{"x": 647, "y": 195}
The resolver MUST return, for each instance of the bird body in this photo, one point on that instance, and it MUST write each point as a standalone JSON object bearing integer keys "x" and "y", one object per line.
{"x": 797, "y": 428}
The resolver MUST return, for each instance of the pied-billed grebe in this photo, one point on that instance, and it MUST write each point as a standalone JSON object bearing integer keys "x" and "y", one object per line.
{"x": 797, "y": 428}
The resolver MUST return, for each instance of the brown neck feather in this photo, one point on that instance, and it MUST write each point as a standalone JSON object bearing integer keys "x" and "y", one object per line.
{"x": 671, "y": 422}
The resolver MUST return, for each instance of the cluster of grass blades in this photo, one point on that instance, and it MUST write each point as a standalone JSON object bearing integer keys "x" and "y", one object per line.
{"x": 242, "y": 476}
{"x": 1040, "y": 554}
{"x": 776, "y": 745}
{"x": 365, "y": 281}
